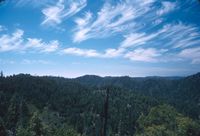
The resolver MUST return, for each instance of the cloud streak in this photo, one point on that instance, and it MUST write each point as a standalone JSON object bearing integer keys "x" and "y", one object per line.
{"x": 17, "y": 42}
{"x": 145, "y": 55}
{"x": 110, "y": 19}
{"x": 147, "y": 35}
{"x": 91, "y": 53}
{"x": 166, "y": 7}
{"x": 55, "y": 14}
{"x": 168, "y": 44}
{"x": 11, "y": 42}
{"x": 81, "y": 52}
{"x": 2, "y": 28}
{"x": 32, "y": 61}
{"x": 120, "y": 18}
{"x": 38, "y": 44}
{"x": 177, "y": 35}
{"x": 191, "y": 54}
{"x": 33, "y": 3}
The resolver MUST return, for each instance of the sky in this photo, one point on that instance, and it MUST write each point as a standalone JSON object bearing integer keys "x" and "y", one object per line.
{"x": 71, "y": 38}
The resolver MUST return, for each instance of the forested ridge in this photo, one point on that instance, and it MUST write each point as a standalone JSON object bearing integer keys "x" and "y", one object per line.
{"x": 56, "y": 106}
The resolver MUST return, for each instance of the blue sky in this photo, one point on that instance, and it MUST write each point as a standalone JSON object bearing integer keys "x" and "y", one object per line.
{"x": 71, "y": 38}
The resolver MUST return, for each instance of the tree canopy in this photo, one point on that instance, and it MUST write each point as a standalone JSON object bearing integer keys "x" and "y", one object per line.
{"x": 55, "y": 106}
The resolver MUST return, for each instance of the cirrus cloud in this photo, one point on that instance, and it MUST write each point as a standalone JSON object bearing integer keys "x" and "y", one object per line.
{"x": 17, "y": 42}
{"x": 192, "y": 54}
{"x": 55, "y": 14}
{"x": 110, "y": 19}
{"x": 167, "y": 7}
{"x": 145, "y": 55}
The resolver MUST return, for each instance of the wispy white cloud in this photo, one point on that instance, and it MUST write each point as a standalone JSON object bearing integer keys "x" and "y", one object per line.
{"x": 6, "y": 61}
{"x": 167, "y": 7}
{"x": 108, "y": 53}
{"x": 145, "y": 55}
{"x": 177, "y": 35}
{"x": 2, "y": 28}
{"x": 139, "y": 21}
{"x": 42, "y": 46}
{"x": 34, "y": 3}
{"x": 172, "y": 36}
{"x": 34, "y": 43}
{"x": 57, "y": 13}
{"x": 182, "y": 35}
{"x": 11, "y": 42}
{"x": 110, "y": 19}
{"x": 82, "y": 22}
{"x": 17, "y": 42}
{"x": 112, "y": 53}
{"x": 51, "y": 47}
{"x": 26, "y": 61}
{"x": 127, "y": 18}
{"x": 158, "y": 21}
{"x": 81, "y": 52}
{"x": 158, "y": 46}
{"x": 39, "y": 61}
{"x": 136, "y": 39}
{"x": 192, "y": 54}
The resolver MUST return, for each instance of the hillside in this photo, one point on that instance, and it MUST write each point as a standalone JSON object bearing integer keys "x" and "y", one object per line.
{"x": 178, "y": 91}
{"x": 73, "y": 107}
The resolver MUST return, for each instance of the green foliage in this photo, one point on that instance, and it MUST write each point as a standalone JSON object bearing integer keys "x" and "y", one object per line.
{"x": 65, "y": 130}
{"x": 2, "y": 128}
{"x": 36, "y": 127}
{"x": 164, "y": 120}
{"x": 13, "y": 113}
{"x": 53, "y": 106}
{"x": 22, "y": 132}
{"x": 182, "y": 93}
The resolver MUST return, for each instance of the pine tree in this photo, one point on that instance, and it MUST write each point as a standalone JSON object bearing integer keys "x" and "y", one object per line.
{"x": 13, "y": 114}
{"x": 23, "y": 114}
{"x": 1, "y": 74}
{"x": 36, "y": 127}
{"x": 2, "y": 128}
